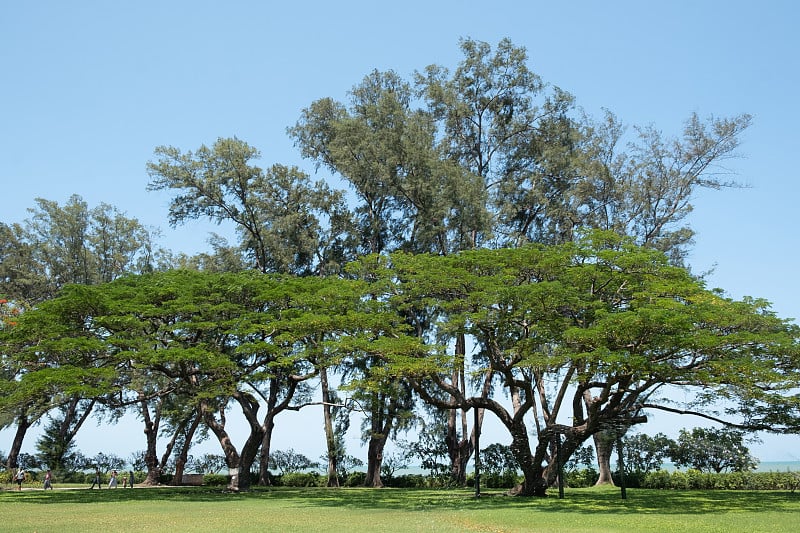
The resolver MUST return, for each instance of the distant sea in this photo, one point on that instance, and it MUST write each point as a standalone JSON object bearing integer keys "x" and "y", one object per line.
{"x": 766, "y": 466}
{"x": 778, "y": 466}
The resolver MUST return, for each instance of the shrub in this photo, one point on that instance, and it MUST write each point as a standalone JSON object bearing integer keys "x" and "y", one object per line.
{"x": 579, "y": 478}
{"x": 406, "y": 481}
{"x": 355, "y": 479}
{"x": 660, "y": 479}
{"x": 696, "y": 480}
{"x": 301, "y": 479}
{"x": 215, "y": 480}
{"x": 502, "y": 480}
{"x": 679, "y": 480}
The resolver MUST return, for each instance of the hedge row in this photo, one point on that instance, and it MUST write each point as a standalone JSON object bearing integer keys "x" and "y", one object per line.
{"x": 661, "y": 479}
{"x": 694, "y": 479}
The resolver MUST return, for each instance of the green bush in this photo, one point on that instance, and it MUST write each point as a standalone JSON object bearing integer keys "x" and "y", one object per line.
{"x": 679, "y": 480}
{"x": 301, "y": 479}
{"x": 406, "y": 481}
{"x": 660, "y": 479}
{"x": 696, "y": 480}
{"x": 215, "y": 480}
{"x": 355, "y": 479}
{"x": 504, "y": 480}
{"x": 580, "y": 478}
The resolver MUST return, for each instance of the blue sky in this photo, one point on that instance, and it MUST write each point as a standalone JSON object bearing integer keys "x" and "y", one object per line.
{"x": 90, "y": 88}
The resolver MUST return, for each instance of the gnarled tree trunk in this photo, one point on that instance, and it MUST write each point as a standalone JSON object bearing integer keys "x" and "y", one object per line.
{"x": 604, "y": 445}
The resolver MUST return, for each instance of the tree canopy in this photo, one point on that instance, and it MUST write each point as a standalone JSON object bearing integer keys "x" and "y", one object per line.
{"x": 496, "y": 250}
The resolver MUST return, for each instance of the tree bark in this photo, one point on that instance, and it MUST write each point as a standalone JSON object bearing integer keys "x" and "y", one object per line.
{"x": 533, "y": 483}
{"x": 459, "y": 446}
{"x": 151, "y": 424}
{"x": 23, "y": 424}
{"x": 330, "y": 438}
{"x": 183, "y": 456}
{"x": 375, "y": 461}
{"x": 604, "y": 445}
{"x": 238, "y": 464}
{"x": 266, "y": 448}
{"x": 383, "y": 413}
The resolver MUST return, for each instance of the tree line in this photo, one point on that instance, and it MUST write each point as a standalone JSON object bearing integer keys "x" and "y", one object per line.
{"x": 496, "y": 250}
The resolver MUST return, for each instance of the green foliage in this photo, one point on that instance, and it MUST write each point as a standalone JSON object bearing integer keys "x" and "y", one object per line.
{"x": 643, "y": 453}
{"x": 56, "y": 452}
{"x": 696, "y": 480}
{"x": 583, "y": 457}
{"x": 580, "y": 477}
{"x": 499, "y": 467}
{"x": 279, "y": 214}
{"x": 430, "y": 450}
{"x": 290, "y": 462}
{"x": 711, "y": 449}
{"x": 504, "y": 479}
{"x": 355, "y": 479}
{"x": 207, "y": 463}
{"x": 215, "y": 480}
{"x": 106, "y": 462}
{"x": 301, "y": 479}
{"x": 498, "y": 458}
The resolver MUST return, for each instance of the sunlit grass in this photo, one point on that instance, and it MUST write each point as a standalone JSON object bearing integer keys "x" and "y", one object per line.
{"x": 396, "y": 510}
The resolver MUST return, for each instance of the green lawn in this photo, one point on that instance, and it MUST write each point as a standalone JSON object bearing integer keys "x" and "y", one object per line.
{"x": 395, "y": 510}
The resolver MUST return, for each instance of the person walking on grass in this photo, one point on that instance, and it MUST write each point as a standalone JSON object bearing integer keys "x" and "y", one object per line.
{"x": 130, "y": 480}
{"x": 96, "y": 480}
{"x": 19, "y": 478}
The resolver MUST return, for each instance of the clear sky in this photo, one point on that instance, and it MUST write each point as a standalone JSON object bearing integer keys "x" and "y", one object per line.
{"x": 89, "y": 88}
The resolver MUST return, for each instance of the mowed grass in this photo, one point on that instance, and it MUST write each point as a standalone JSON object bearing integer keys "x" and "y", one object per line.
{"x": 394, "y": 510}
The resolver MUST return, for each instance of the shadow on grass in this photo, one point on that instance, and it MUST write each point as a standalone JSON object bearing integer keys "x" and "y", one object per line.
{"x": 603, "y": 500}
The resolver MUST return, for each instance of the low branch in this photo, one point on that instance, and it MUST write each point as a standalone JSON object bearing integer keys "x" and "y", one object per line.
{"x": 746, "y": 427}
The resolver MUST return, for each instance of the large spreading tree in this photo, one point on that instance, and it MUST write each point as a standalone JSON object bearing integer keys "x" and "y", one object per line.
{"x": 518, "y": 310}
{"x": 585, "y": 337}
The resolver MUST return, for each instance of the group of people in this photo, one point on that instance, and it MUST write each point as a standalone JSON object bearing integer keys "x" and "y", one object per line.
{"x": 127, "y": 480}
{"x": 19, "y": 478}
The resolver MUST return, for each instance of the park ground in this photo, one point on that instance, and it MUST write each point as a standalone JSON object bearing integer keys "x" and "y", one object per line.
{"x": 395, "y": 510}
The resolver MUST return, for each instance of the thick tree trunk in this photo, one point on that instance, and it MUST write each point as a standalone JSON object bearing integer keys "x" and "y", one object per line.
{"x": 460, "y": 452}
{"x": 375, "y": 461}
{"x": 266, "y": 448}
{"x": 23, "y": 424}
{"x": 604, "y": 445}
{"x": 183, "y": 456}
{"x": 459, "y": 446}
{"x": 330, "y": 437}
{"x": 151, "y": 424}
{"x": 533, "y": 483}
{"x": 266, "y": 439}
{"x": 384, "y": 412}
{"x": 238, "y": 465}
{"x": 248, "y": 458}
